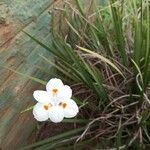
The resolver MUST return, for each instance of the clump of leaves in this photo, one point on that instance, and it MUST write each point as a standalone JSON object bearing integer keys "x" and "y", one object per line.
{"x": 104, "y": 52}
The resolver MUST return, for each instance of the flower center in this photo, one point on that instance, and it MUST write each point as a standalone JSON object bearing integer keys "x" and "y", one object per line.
{"x": 55, "y": 92}
{"x": 46, "y": 107}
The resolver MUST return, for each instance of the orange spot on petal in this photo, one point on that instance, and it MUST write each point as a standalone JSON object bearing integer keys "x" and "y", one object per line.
{"x": 54, "y": 92}
{"x": 64, "y": 105}
{"x": 46, "y": 107}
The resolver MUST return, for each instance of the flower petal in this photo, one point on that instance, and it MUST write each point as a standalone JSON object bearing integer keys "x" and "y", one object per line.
{"x": 40, "y": 113}
{"x": 54, "y": 84}
{"x": 65, "y": 92}
{"x": 71, "y": 108}
{"x": 42, "y": 96}
{"x": 56, "y": 114}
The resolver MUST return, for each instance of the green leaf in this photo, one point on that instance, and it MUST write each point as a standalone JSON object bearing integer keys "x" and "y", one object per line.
{"x": 27, "y": 109}
{"x": 54, "y": 138}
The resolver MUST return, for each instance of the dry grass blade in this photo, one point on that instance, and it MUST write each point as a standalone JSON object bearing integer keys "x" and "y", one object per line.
{"x": 102, "y": 58}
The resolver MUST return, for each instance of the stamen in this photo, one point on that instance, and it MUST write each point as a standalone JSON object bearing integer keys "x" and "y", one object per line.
{"x": 60, "y": 104}
{"x": 46, "y": 107}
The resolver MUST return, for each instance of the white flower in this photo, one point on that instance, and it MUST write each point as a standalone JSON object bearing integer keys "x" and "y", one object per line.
{"x": 40, "y": 111}
{"x": 43, "y": 112}
{"x": 70, "y": 108}
{"x": 57, "y": 89}
{"x": 55, "y": 103}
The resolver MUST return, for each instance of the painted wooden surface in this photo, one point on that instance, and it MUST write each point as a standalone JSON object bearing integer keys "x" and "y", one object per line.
{"x": 20, "y": 53}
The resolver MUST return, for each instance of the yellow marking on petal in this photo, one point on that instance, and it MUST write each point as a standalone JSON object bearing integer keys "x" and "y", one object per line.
{"x": 64, "y": 105}
{"x": 55, "y": 92}
{"x": 46, "y": 107}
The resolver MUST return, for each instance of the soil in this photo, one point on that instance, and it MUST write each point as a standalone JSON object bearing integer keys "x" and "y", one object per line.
{"x": 48, "y": 129}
